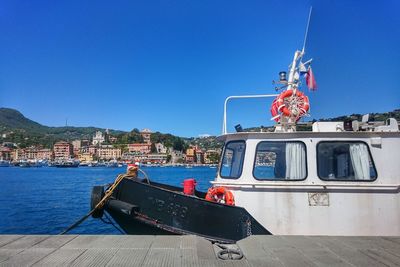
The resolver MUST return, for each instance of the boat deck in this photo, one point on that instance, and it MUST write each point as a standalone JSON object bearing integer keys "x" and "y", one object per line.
{"x": 127, "y": 250}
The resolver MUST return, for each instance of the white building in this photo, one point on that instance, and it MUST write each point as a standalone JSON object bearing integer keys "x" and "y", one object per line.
{"x": 161, "y": 148}
{"x": 98, "y": 138}
{"x": 146, "y": 134}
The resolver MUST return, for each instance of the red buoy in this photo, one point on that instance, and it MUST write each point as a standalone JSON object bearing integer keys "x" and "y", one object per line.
{"x": 189, "y": 186}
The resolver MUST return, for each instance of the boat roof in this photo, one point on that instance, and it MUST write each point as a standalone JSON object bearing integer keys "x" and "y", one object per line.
{"x": 304, "y": 134}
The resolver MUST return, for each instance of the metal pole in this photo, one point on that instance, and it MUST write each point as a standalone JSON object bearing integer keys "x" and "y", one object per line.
{"x": 306, "y": 34}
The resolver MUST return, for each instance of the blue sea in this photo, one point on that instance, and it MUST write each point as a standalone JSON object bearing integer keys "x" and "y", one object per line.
{"x": 47, "y": 200}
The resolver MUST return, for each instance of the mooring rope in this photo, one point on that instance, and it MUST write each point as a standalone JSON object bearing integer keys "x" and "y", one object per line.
{"x": 227, "y": 253}
{"x": 99, "y": 205}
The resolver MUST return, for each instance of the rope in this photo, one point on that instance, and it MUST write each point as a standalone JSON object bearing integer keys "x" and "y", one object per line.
{"x": 229, "y": 253}
{"x": 99, "y": 205}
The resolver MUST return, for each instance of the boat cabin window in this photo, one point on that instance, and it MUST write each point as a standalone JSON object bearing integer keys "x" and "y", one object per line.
{"x": 345, "y": 161}
{"x": 280, "y": 160}
{"x": 232, "y": 160}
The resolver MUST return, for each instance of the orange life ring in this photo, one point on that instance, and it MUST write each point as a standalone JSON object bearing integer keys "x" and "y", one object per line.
{"x": 217, "y": 194}
{"x": 274, "y": 111}
{"x": 278, "y": 105}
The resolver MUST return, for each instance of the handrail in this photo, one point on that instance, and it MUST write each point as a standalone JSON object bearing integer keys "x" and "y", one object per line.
{"x": 224, "y": 129}
{"x": 288, "y": 184}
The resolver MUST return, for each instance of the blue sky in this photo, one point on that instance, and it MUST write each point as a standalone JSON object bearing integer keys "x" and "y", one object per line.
{"x": 169, "y": 65}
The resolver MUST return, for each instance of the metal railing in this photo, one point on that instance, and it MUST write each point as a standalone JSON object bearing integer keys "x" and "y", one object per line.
{"x": 224, "y": 127}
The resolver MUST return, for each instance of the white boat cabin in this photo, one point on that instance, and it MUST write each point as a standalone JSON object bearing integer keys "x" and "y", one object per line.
{"x": 329, "y": 181}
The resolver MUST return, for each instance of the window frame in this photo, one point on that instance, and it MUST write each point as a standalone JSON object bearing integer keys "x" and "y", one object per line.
{"x": 346, "y": 180}
{"x": 223, "y": 155}
{"x": 280, "y": 179}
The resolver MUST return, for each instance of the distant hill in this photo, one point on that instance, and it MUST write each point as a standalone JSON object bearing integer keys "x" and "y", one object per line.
{"x": 372, "y": 116}
{"x": 13, "y": 119}
{"x": 18, "y": 129}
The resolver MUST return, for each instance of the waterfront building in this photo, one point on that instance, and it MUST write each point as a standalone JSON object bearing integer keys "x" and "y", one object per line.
{"x": 199, "y": 156}
{"x": 92, "y": 150}
{"x": 5, "y": 153}
{"x": 139, "y": 148}
{"x": 76, "y": 145}
{"x": 44, "y": 154}
{"x": 85, "y": 157}
{"x": 146, "y": 134}
{"x": 134, "y": 157}
{"x": 145, "y": 158}
{"x": 190, "y": 155}
{"x": 157, "y": 158}
{"x": 108, "y": 152}
{"x": 62, "y": 150}
{"x": 18, "y": 154}
{"x": 31, "y": 153}
{"x": 98, "y": 138}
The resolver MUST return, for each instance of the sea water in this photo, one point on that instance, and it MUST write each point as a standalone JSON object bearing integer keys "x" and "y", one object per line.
{"x": 47, "y": 200}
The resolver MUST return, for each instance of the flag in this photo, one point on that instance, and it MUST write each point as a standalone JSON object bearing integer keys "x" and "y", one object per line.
{"x": 302, "y": 68}
{"x": 310, "y": 80}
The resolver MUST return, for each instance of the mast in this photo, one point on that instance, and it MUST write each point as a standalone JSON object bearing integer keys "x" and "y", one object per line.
{"x": 294, "y": 104}
{"x": 306, "y": 34}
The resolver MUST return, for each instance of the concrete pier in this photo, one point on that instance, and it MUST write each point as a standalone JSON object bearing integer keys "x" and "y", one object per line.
{"x": 125, "y": 250}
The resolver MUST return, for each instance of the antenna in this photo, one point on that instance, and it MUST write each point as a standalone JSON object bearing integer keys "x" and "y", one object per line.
{"x": 305, "y": 36}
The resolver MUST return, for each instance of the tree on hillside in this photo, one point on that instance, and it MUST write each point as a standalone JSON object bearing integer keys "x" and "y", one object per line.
{"x": 178, "y": 144}
{"x": 153, "y": 148}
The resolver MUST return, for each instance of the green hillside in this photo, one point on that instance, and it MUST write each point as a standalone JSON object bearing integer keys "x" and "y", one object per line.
{"x": 13, "y": 119}
{"x": 16, "y": 128}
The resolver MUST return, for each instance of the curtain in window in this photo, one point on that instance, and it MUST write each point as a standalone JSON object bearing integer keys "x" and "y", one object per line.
{"x": 295, "y": 161}
{"x": 360, "y": 161}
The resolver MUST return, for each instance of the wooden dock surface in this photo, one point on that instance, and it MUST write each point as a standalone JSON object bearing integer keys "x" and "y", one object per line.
{"x": 128, "y": 250}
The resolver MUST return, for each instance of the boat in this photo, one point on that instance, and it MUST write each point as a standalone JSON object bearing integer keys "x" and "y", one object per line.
{"x": 71, "y": 163}
{"x": 336, "y": 179}
{"x": 101, "y": 164}
{"x": 4, "y": 163}
{"x": 112, "y": 163}
{"x": 24, "y": 163}
{"x": 35, "y": 163}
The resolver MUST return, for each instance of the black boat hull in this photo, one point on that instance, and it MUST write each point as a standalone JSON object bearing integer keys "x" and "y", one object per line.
{"x": 142, "y": 208}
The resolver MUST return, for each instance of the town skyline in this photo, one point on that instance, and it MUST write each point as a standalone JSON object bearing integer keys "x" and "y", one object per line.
{"x": 104, "y": 147}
